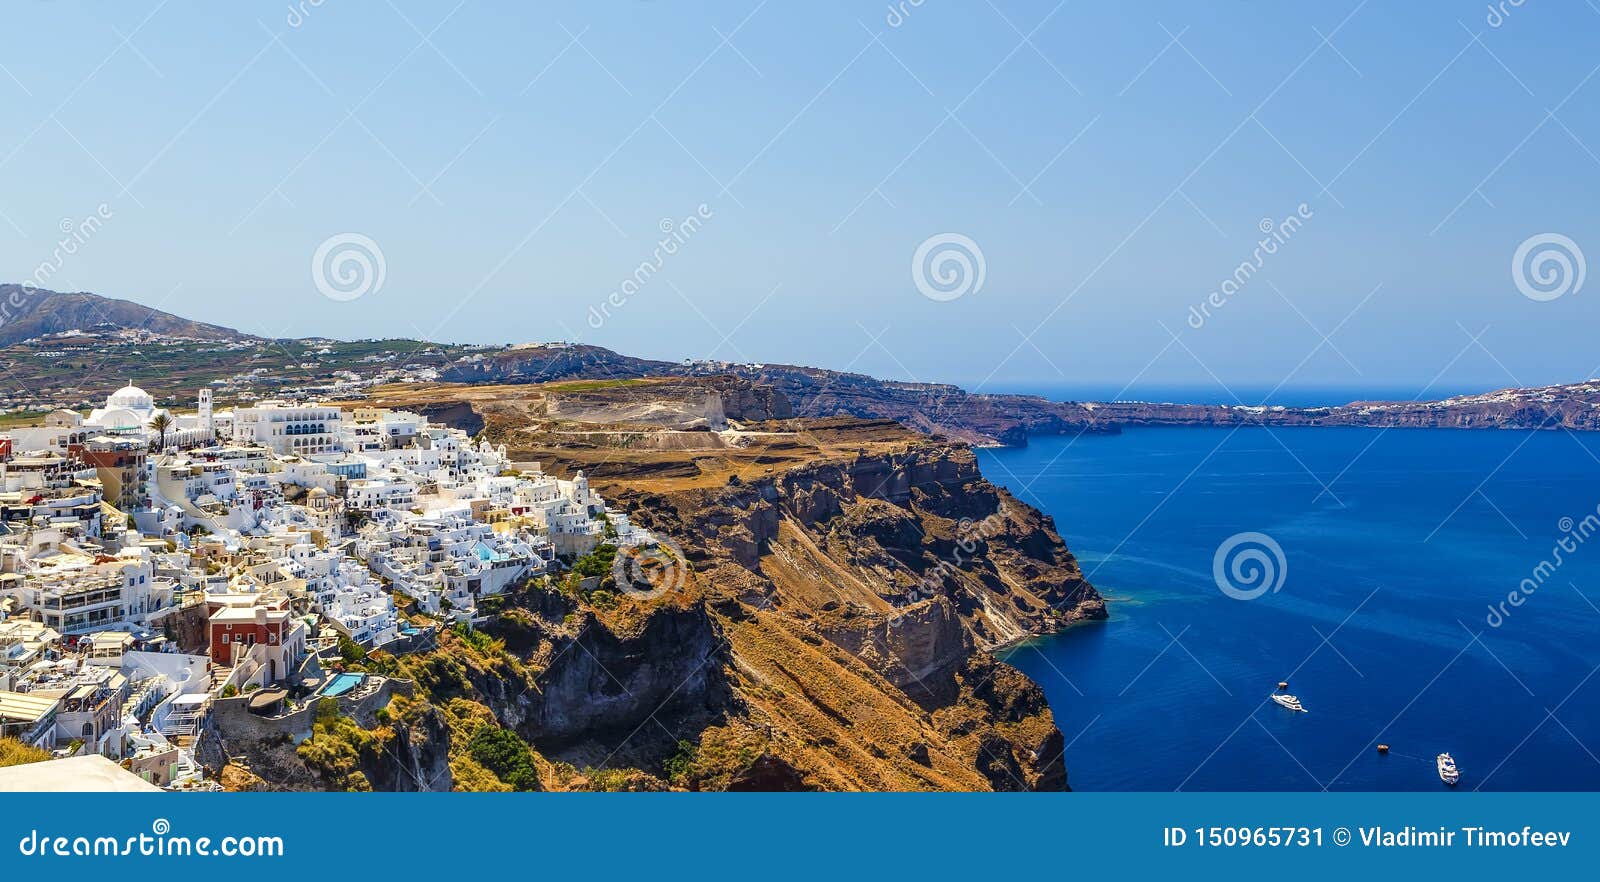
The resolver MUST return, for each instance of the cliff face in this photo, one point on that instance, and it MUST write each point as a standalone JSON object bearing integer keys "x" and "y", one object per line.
{"x": 932, "y": 408}
{"x": 1567, "y": 407}
{"x": 828, "y": 630}
{"x": 914, "y": 540}
{"x": 841, "y": 586}
{"x": 901, "y": 569}
{"x": 794, "y": 391}
{"x": 387, "y": 742}
{"x": 990, "y": 419}
{"x": 588, "y": 681}
{"x": 543, "y": 364}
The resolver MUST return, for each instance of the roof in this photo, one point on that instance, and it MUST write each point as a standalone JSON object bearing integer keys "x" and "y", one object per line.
{"x": 25, "y": 707}
{"x": 78, "y": 774}
{"x": 247, "y": 614}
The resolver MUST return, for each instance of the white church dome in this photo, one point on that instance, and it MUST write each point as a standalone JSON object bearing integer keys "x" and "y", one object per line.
{"x": 131, "y": 397}
{"x": 119, "y": 418}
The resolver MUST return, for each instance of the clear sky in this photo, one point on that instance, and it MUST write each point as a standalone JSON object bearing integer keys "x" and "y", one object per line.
{"x": 1112, "y": 162}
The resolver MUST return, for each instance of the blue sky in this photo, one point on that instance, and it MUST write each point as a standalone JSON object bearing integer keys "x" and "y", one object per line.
{"x": 1112, "y": 162}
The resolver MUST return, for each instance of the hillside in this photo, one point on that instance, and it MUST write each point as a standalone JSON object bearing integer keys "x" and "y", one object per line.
{"x": 28, "y": 313}
{"x": 829, "y": 625}
{"x": 120, "y": 340}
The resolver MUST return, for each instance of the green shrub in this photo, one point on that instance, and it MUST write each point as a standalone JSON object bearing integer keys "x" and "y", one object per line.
{"x": 504, "y": 754}
{"x": 681, "y": 762}
{"x": 336, "y": 746}
{"x": 597, "y": 562}
{"x": 476, "y": 639}
{"x": 351, "y": 651}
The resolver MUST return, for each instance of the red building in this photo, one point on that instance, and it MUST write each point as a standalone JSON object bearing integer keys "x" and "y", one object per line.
{"x": 237, "y": 631}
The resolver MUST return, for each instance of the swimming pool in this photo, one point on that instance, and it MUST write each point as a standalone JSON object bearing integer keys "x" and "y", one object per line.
{"x": 342, "y": 683}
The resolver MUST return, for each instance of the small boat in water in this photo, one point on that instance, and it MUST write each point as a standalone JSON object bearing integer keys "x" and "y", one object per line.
{"x": 1288, "y": 701}
{"x": 1448, "y": 773}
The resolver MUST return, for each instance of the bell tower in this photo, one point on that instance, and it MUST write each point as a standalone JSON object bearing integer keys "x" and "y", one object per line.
{"x": 205, "y": 410}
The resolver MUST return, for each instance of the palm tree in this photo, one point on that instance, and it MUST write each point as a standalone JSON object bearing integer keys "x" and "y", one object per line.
{"x": 161, "y": 422}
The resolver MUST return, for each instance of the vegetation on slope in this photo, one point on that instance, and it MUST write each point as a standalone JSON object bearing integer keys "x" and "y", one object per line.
{"x": 15, "y": 753}
{"x": 507, "y": 756}
{"x": 335, "y": 747}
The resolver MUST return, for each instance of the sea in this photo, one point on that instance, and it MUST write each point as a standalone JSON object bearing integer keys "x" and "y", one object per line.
{"x": 1430, "y": 590}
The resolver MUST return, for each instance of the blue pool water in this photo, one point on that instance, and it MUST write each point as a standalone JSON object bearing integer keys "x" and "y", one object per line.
{"x": 1397, "y": 566}
{"x": 343, "y": 683}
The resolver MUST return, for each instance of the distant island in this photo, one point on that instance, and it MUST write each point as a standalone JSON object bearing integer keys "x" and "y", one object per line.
{"x": 71, "y": 349}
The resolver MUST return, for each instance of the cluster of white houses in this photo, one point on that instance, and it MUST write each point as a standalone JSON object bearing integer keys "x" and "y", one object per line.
{"x": 154, "y": 564}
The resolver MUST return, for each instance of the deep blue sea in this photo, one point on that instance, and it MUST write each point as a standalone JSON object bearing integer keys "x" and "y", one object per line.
{"x": 1394, "y": 546}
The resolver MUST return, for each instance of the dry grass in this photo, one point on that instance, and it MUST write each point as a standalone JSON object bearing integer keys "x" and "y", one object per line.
{"x": 15, "y": 753}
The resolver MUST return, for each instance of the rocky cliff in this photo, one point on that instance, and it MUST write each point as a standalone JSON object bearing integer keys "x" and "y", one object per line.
{"x": 386, "y": 741}
{"x": 903, "y": 568}
{"x": 834, "y": 598}
{"x": 843, "y": 583}
{"x": 1000, "y": 419}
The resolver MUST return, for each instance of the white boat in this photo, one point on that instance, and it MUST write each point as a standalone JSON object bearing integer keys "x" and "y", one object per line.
{"x": 1288, "y": 701}
{"x": 1448, "y": 773}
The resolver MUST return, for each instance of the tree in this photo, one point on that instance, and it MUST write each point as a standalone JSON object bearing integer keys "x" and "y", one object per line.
{"x": 160, "y": 423}
{"x": 351, "y": 651}
{"x": 507, "y": 756}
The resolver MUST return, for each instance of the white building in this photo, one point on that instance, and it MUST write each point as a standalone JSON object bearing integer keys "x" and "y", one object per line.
{"x": 131, "y": 410}
{"x": 289, "y": 428}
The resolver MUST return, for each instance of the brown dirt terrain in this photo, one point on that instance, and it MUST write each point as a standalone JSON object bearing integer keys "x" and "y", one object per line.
{"x": 854, "y": 577}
